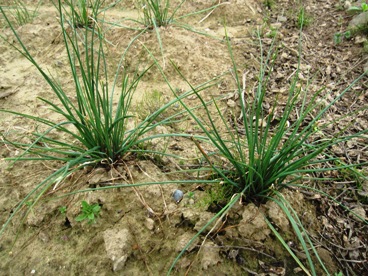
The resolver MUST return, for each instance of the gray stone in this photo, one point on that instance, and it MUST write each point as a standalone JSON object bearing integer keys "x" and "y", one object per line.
{"x": 276, "y": 214}
{"x": 210, "y": 255}
{"x": 118, "y": 246}
{"x": 191, "y": 215}
{"x": 359, "y": 21}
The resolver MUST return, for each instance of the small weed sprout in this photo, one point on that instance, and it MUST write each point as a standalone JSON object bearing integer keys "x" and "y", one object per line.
{"x": 62, "y": 210}
{"x": 190, "y": 195}
{"x": 89, "y": 212}
{"x": 362, "y": 8}
{"x": 339, "y": 37}
{"x": 269, "y": 4}
{"x": 215, "y": 197}
{"x": 304, "y": 19}
{"x": 272, "y": 33}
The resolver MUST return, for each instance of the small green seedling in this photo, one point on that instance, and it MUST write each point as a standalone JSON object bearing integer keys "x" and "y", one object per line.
{"x": 89, "y": 212}
{"x": 62, "y": 209}
{"x": 339, "y": 37}
{"x": 190, "y": 195}
{"x": 363, "y": 8}
{"x": 304, "y": 19}
{"x": 269, "y": 4}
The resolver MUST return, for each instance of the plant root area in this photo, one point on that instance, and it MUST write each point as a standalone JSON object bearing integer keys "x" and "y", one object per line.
{"x": 141, "y": 230}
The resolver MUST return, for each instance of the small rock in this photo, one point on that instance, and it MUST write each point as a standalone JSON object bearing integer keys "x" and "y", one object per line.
{"x": 210, "y": 255}
{"x": 233, "y": 254}
{"x": 359, "y": 21}
{"x": 58, "y": 63}
{"x": 34, "y": 218}
{"x": 118, "y": 246}
{"x": 43, "y": 236}
{"x": 231, "y": 103}
{"x": 150, "y": 224}
{"x": 347, "y": 5}
{"x": 281, "y": 18}
{"x": 276, "y": 25}
{"x": 328, "y": 261}
{"x": 177, "y": 196}
{"x": 97, "y": 176}
{"x": 191, "y": 215}
{"x": 359, "y": 39}
{"x": 276, "y": 214}
{"x": 253, "y": 226}
{"x": 328, "y": 70}
{"x": 284, "y": 55}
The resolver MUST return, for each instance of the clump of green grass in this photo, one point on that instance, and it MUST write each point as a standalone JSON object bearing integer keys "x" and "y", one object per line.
{"x": 80, "y": 14}
{"x": 98, "y": 125}
{"x": 156, "y": 12}
{"x": 84, "y": 13}
{"x": 20, "y": 13}
{"x": 159, "y": 13}
{"x": 263, "y": 156}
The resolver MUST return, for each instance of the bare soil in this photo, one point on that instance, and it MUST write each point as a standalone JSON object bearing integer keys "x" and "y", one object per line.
{"x": 143, "y": 225}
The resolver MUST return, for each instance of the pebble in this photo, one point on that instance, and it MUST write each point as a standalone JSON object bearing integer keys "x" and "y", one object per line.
{"x": 150, "y": 224}
{"x": 281, "y": 18}
{"x": 177, "y": 196}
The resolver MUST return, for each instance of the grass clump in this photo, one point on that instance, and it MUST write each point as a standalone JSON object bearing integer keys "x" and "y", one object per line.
{"x": 156, "y": 12}
{"x": 96, "y": 122}
{"x": 19, "y": 12}
{"x": 84, "y": 13}
{"x": 266, "y": 152}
